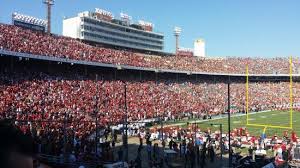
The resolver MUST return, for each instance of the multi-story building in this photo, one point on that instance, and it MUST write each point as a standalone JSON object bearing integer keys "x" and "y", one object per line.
{"x": 101, "y": 27}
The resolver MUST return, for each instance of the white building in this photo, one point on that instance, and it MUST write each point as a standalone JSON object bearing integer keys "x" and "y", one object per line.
{"x": 199, "y": 48}
{"x": 101, "y": 27}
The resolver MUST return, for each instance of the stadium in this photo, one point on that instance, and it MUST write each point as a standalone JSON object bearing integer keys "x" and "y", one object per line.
{"x": 107, "y": 98}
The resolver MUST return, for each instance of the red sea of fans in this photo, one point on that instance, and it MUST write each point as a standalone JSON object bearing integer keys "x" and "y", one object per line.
{"x": 51, "y": 96}
{"x": 52, "y": 102}
{"x": 37, "y": 96}
{"x": 46, "y": 104}
{"x": 41, "y": 96}
{"x": 21, "y": 40}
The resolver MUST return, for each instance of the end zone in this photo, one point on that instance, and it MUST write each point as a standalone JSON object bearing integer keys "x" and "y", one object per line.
{"x": 291, "y": 102}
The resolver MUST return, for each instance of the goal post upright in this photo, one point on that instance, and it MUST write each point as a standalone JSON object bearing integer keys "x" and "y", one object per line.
{"x": 290, "y": 96}
{"x": 291, "y": 93}
{"x": 247, "y": 95}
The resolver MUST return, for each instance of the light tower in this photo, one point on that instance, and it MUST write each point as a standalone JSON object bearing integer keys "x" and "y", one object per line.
{"x": 177, "y": 31}
{"x": 49, "y": 3}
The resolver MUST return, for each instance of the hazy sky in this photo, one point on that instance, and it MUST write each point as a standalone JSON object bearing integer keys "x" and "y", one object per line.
{"x": 266, "y": 28}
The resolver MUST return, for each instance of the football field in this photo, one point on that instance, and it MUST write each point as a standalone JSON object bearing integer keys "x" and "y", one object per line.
{"x": 275, "y": 118}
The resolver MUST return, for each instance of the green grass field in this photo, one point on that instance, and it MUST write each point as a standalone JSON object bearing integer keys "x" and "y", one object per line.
{"x": 276, "y": 118}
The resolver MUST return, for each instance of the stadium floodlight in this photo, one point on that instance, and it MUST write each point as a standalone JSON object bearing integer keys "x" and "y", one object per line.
{"x": 49, "y": 3}
{"x": 177, "y": 31}
{"x": 28, "y": 19}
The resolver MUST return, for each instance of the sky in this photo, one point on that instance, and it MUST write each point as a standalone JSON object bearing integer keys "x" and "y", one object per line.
{"x": 243, "y": 28}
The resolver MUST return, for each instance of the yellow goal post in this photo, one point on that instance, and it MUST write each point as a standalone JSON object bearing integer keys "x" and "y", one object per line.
{"x": 291, "y": 101}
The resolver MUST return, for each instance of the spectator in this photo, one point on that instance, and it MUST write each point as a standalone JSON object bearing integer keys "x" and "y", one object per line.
{"x": 149, "y": 150}
{"x": 16, "y": 148}
{"x": 27, "y": 41}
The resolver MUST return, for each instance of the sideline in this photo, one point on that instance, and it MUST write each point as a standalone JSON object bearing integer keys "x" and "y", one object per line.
{"x": 183, "y": 122}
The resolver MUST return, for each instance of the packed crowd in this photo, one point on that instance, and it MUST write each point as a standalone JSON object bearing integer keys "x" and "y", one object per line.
{"x": 40, "y": 96}
{"x": 190, "y": 146}
{"x": 59, "y": 110}
{"x": 27, "y": 41}
{"x": 198, "y": 146}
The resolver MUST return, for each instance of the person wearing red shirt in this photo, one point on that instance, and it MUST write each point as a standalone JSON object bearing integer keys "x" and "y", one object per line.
{"x": 283, "y": 147}
{"x": 294, "y": 136}
{"x": 253, "y": 139}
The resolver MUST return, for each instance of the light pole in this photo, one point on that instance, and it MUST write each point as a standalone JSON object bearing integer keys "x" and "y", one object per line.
{"x": 195, "y": 132}
{"x": 221, "y": 144}
{"x": 49, "y": 3}
{"x": 96, "y": 114}
{"x": 65, "y": 136}
{"x": 162, "y": 125}
{"x": 229, "y": 123}
{"x": 125, "y": 123}
{"x": 177, "y": 31}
